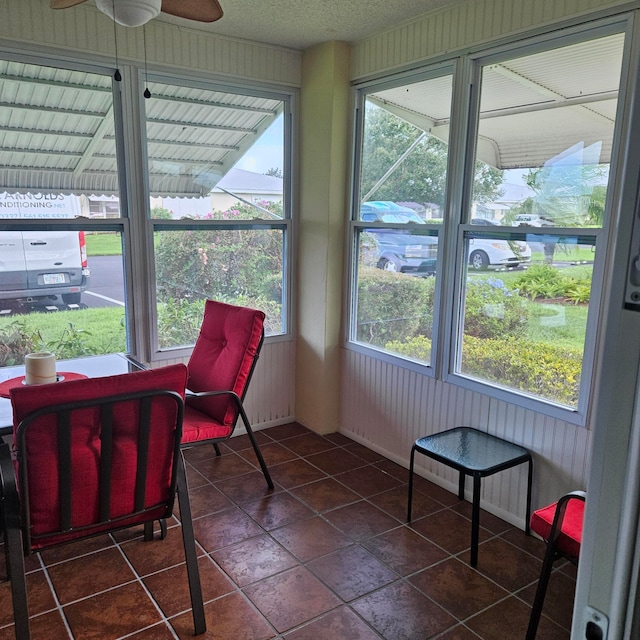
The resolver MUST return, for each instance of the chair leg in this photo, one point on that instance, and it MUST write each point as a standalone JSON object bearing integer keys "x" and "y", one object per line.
{"x": 256, "y": 448}
{"x": 14, "y": 551}
{"x": 217, "y": 448}
{"x": 545, "y": 573}
{"x": 191, "y": 556}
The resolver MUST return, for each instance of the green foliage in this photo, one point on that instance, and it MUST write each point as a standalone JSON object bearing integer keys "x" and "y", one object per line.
{"x": 393, "y": 307}
{"x": 545, "y": 281}
{"x": 492, "y": 309}
{"x": 73, "y": 342}
{"x": 160, "y": 213}
{"x": 416, "y": 348}
{"x": 421, "y": 176}
{"x": 543, "y": 370}
{"x": 16, "y": 341}
{"x": 179, "y": 322}
{"x": 62, "y": 333}
{"x": 223, "y": 264}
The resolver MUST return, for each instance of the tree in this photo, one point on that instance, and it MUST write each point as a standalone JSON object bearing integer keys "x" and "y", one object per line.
{"x": 571, "y": 195}
{"x": 276, "y": 172}
{"x": 421, "y": 176}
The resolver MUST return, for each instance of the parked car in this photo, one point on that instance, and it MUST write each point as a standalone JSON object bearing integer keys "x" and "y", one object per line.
{"x": 532, "y": 220}
{"x": 37, "y": 265}
{"x": 486, "y": 252}
{"x": 399, "y": 250}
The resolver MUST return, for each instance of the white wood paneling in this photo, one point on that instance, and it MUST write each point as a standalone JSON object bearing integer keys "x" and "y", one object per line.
{"x": 387, "y": 408}
{"x": 84, "y": 30}
{"x": 460, "y": 26}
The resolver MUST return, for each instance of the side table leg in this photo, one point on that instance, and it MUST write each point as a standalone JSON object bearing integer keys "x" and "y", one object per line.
{"x": 527, "y": 515}
{"x": 461, "y": 486}
{"x": 475, "y": 520}
{"x": 413, "y": 452}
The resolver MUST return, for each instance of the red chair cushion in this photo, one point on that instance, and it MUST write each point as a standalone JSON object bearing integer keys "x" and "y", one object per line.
{"x": 199, "y": 426}
{"x": 41, "y": 448}
{"x": 223, "y": 357}
{"x": 570, "y": 538}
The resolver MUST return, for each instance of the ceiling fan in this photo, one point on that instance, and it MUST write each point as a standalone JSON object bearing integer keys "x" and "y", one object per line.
{"x": 135, "y": 13}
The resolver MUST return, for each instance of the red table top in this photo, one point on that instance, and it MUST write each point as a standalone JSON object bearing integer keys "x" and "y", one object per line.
{"x": 7, "y": 385}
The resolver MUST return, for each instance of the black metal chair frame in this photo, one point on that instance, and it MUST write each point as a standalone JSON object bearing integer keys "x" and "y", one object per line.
{"x": 241, "y": 414}
{"x": 551, "y": 555}
{"x": 15, "y": 501}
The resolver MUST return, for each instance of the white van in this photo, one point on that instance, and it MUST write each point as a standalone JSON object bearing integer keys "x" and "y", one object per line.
{"x": 40, "y": 265}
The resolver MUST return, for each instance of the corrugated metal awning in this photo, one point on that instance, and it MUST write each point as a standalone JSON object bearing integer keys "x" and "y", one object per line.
{"x": 57, "y": 133}
{"x": 533, "y": 108}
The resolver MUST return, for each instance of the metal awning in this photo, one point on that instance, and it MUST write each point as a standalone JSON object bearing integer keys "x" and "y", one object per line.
{"x": 532, "y": 109}
{"x": 57, "y": 133}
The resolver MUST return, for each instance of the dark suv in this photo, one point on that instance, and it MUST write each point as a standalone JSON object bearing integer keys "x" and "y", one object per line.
{"x": 400, "y": 250}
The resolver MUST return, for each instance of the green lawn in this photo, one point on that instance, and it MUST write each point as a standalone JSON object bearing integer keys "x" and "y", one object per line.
{"x": 103, "y": 243}
{"x": 70, "y": 333}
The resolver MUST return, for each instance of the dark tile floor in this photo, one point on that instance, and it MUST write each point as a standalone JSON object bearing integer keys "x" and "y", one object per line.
{"x": 325, "y": 556}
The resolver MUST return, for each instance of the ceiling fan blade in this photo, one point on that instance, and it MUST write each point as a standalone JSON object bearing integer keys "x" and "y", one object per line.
{"x": 65, "y": 4}
{"x": 199, "y": 10}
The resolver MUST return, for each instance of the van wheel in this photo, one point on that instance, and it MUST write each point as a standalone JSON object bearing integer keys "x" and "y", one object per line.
{"x": 71, "y": 298}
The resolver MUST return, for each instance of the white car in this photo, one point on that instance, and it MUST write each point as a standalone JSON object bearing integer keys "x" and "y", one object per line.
{"x": 532, "y": 220}
{"x": 485, "y": 253}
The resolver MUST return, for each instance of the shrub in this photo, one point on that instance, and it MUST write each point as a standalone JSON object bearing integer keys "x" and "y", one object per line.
{"x": 220, "y": 263}
{"x": 492, "y": 310}
{"x": 179, "y": 320}
{"x": 543, "y": 370}
{"x": 393, "y": 307}
{"x": 16, "y": 341}
{"x": 545, "y": 281}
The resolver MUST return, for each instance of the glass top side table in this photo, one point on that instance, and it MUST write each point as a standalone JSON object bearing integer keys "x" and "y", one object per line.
{"x": 475, "y": 453}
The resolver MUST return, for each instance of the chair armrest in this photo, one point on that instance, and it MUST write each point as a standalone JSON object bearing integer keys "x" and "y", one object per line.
{"x": 561, "y": 508}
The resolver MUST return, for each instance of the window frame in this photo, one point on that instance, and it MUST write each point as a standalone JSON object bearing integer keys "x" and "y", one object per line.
{"x": 288, "y": 99}
{"x": 135, "y": 224}
{"x": 451, "y": 252}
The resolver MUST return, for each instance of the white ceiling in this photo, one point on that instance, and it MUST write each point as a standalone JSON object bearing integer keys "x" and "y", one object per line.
{"x": 300, "y": 24}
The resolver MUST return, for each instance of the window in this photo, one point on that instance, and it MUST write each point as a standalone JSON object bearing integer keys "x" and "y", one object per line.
{"x": 83, "y": 254}
{"x": 402, "y": 190}
{"x": 515, "y": 246}
{"x": 61, "y": 272}
{"x": 544, "y": 138}
{"x": 219, "y": 207}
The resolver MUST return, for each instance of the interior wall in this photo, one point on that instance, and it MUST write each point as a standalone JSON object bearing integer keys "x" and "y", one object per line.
{"x": 464, "y": 25}
{"x": 322, "y": 219}
{"x": 387, "y": 407}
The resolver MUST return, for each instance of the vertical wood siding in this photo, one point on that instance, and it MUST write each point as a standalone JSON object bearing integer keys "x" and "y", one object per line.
{"x": 388, "y": 407}
{"x": 84, "y": 30}
{"x": 464, "y": 24}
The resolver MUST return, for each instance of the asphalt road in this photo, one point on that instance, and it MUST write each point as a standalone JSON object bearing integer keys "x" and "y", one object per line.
{"x": 106, "y": 288}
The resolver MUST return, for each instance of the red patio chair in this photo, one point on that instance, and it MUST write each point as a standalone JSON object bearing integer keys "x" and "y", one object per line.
{"x": 560, "y": 526}
{"x": 94, "y": 456}
{"x": 220, "y": 369}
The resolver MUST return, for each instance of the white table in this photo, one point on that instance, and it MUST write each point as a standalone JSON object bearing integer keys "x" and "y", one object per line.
{"x": 91, "y": 366}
